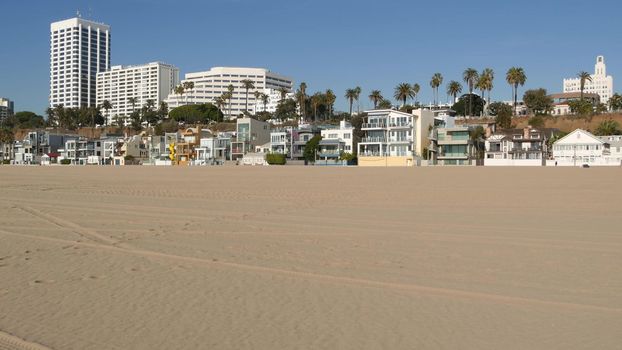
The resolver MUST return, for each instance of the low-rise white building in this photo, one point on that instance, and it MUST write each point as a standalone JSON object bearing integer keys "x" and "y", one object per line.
{"x": 274, "y": 97}
{"x": 152, "y": 81}
{"x": 581, "y": 147}
{"x": 517, "y": 147}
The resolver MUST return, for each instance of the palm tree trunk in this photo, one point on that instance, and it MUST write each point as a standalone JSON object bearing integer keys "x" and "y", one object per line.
{"x": 515, "y": 98}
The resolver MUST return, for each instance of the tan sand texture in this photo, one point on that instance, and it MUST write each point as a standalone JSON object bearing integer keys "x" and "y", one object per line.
{"x": 310, "y": 258}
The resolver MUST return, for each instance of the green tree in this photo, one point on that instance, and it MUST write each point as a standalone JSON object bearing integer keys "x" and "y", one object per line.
{"x": 537, "y": 101}
{"x": 375, "y": 96}
{"x": 316, "y": 100}
{"x": 229, "y": 95}
{"x": 162, "y": 111}
{"x": 196, "y": 113}
{"x": 581, "y": 108}
{"x": 608, "y": 127}
{"x": 188, "y": 86}
{"x": 385, "y": 104}
{"x": 403, "y": 92}
{"x": 615, "y": 102}
{"x": 330, "y": 98}
{"x": 286, "y": 109}
{"x": 106, "y": 106}
{"x": 24, "y": 120}
{"x": 357, "y": 94}
{"x": 179, "y": 90}
{"x": 133, "y": 101}
{"x": 453, "y": 89}
{"x": 515, "y": 76}
{"x": 350, "y": 96}
{"x": 51, "y": 117}
{"x": 415, "y": 90}
{"x": 536, "y": 121}
{"x": 6, "y": 137}
{"x": 247, "y": 84}
{"x": 489, "y": 75}
{"x": 311, "y": 147}
{"x": 469, "y": 100}
{"x": 435, "y": 82}
{"x": 502, "y": 113}
{"x": 264, "y": 100}
{"x": 302, "y": 98}
{"x": 470, "y": 77}
{"x": 583, "y": 77}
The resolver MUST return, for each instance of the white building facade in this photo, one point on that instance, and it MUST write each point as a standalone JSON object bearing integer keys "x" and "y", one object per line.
{"x": 601, "y": 84}
{"x": 213, "y": 83}
{"x": 581, "y": 147}
{"x": 79, "y": 49}
{"x": 274, "y": 98}
{"x": 151, "y": 81}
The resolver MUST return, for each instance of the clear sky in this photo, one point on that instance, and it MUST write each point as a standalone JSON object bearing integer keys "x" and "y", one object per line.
{"x": 334, "y": 44}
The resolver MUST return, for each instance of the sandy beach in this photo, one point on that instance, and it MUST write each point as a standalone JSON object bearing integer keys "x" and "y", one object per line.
{"x": 310, "y": 258}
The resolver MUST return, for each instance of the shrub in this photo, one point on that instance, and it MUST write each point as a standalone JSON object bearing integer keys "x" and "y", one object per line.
{"x": 276, "y": 159}
{"x": 6, "y": 161}
{"x": 537, "y": 121}
{"x": 65, "y": 161}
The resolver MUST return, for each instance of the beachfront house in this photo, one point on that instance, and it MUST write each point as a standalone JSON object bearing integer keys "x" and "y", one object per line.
{"x": 335, "y": 141}
{"x": 517, "y": 147}
{"x": 250, "y": 133}
{"x": 582, "y": 148}
{"x": 387, "y": 140}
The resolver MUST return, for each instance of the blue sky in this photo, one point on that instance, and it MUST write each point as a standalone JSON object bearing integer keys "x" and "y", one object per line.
{"x": 334, "y": 44}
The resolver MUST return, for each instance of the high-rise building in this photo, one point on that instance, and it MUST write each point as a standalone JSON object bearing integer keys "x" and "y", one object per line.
{"x": 151, "y": 81}
{"x": 79, "y": 49}
{"x": 601, "y": 84}
{"x": 6, "y": 108}
{"x": 213, "y": 83}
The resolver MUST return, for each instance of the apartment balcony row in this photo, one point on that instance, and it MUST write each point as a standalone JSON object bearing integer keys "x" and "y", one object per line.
{"x": 378, "y": 139}
{"x": 400, "y": 125}
{"x": 525, "y": 150}
{"x": 374, "y": 126}
{"x": 452, "y": 155}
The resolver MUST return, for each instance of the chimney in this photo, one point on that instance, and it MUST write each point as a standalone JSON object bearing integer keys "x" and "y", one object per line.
{"x": 488, "y": 131}
{"x": 526, "y": 132}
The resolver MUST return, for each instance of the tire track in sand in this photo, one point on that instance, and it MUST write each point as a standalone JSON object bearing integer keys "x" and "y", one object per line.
{"x": 10, "y": 342}
{"x": 351, "y": 281}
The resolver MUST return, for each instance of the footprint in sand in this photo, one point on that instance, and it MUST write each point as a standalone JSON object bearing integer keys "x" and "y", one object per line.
{"x": 42, "y": 282}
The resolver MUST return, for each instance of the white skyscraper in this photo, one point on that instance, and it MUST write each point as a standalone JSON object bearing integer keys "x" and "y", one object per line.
{"x": 79, "y": 49}
{"x": 601, "y": 84}
{"x": 151, "y": 81}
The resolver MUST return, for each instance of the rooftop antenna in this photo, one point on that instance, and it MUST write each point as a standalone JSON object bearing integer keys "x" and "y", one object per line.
{"x": 90, "y": 16}
{"x": 78, "y": 14}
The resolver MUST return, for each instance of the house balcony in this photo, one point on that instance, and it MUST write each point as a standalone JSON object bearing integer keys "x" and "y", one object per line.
{"x": 374, "y": 126}
{"x": 525, "y": 150}
{"x": 328, "y": 154}
{"x": 372, "y": 154}
{"x": 400, "y": 139}
{"x": 447, "y": 155}
{"x": 373, "y": 139}
{"x": 400, "y": 125}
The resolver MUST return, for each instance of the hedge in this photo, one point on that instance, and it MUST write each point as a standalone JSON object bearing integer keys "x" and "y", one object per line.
{"x": 276, "y": 159}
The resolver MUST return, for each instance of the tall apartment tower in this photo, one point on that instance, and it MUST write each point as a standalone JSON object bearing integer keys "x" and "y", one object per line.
{"x": 79, "y": 49}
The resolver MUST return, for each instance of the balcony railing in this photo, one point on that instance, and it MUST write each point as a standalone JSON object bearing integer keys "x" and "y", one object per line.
{"x": 531, "y": 149}
{"x": 374, "y": 126}
{"x": 374, "y": 139}
{"x": 400, "y": 125}
{"x": 400, "y": 139}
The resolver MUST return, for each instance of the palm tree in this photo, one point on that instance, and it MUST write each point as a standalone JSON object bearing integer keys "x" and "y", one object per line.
{"x": 264, "y": 99}
{"x": 350, "y": 96}
{"x": 179, "y": 90}
{"x": 416, "y": 88}
{"x": 453, "y": 89}
{"x": 220, "y": 101}
{"x": 583, "y": 77}
{"x": 437, "y": 80}
{"x": 257, "y": 95}
{"x": 357, "y": 93}
{"x": 188, "y": 86}
{"x": 470, "y": 77}
{"x": 403, "y": 92}
{"x": 230, "y": 90}
{"x": 133, "y": 101}
{"x": 515, "y": 77}
{"x": 283, "y": 92}
{"x": 247, "y": 84}
{"x": 316, "y": 100}
{"x": 330, "y": 98}
{"x": 107, "y": 106}
{"x": 490, "y": 77}
{"x": 375, "y": 96}
{"x": 302, "y": 98}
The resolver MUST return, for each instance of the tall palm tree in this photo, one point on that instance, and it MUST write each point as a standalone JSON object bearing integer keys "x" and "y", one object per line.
{"x": 133, "y": 101}
{"x": 357, "y": 93}
{"x": 283, "y": 92}
{"x": 435, "y": 82}
{"x": 247, "y": 84}
{"x": 257, "y": 95}
{"x": 350, "y": 96}
{"x": 188, "y": 86}
{"x": 302, "y": 98}
{"x": 179, "y": 90}
{"x": 515, "y": 77}
{"x": 106, "y": 106}
{"x": 403, "y": 92}
{"x": 230, "y": 90}
{"x": 453, "y": 89}
{"x": 416, "y": 88}
{"x": 470, "y": 77}
{"x": 490, "y": 77}
{"x": 220, "y": 101}
{"x": 330, "y": 98}
{"x": 375, "y": 96}
{"x": 264, "y": 99}
{"x": 316, "y": 100}
{"x": 583, "y": 77}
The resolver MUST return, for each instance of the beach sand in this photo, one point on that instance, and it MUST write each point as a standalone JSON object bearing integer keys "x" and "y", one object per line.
{"x": 310, "y": 258}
